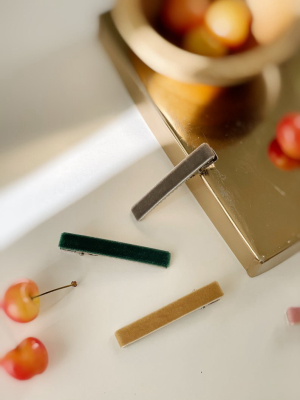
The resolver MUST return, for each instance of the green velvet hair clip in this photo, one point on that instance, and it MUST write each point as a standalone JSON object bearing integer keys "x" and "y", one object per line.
{"x": 103, "y": 247}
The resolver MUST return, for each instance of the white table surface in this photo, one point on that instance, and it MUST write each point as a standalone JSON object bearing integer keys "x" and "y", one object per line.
{"x": 75, "y": 156}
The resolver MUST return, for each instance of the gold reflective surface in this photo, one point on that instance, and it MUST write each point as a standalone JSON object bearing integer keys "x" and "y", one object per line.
{"x": 260, "y": 202}
{"x": 239, "y": 123}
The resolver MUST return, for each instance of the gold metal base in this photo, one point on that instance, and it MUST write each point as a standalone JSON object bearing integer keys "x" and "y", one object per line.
{"x": 253, "y": 204}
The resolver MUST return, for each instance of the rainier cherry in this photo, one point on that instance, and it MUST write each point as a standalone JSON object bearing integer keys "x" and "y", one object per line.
{"x": 229, "y": 21}
{"x": 178, "y": 16}
{"x": 29, "y": 358}
{"x": 288, "y": 135}
{"x": 200, "y": 41}
{"x": 279, "y": 159}
{"x": 21, "y": 300}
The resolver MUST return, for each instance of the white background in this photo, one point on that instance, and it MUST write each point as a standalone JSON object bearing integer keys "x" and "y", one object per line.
{"x": 75, "y": 156}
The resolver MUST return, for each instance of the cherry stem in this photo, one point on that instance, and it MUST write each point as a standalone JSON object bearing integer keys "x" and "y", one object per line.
{"x": 73, "y": 283}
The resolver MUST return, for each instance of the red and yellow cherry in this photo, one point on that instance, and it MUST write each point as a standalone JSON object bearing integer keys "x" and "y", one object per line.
{"x": 29, "y": 358}
{"x": 18, "y": 302}
{"x": 288, "y": 135}
{"x": 229, "y": 21}
{"x": 200, "y": 41}
{"x": 279, "y": 159}
{"x": 21, "y": 300}
{"x": 178, "y": 16}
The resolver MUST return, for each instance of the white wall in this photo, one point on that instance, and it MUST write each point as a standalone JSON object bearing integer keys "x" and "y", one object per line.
{"x": 31, "y": 29}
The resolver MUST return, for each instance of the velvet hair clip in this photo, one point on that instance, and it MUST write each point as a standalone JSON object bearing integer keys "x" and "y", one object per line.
{"x": 102, "y": 247}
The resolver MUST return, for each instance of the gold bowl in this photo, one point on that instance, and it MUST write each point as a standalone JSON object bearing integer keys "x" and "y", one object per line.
{"x": 133, "y": 20}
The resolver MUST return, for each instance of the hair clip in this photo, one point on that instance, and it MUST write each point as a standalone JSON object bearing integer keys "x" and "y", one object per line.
{"x": 102, "y": 247}
{"x": 185, "y": 305}
{"x": 197, "y": 162}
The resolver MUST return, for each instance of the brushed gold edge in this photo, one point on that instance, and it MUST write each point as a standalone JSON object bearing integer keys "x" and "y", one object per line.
{"x": 175, "y": 151}
{"x": 231, "y": 220}
{"x": 278, "y": 258}
{"x": 215, "y": 212}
